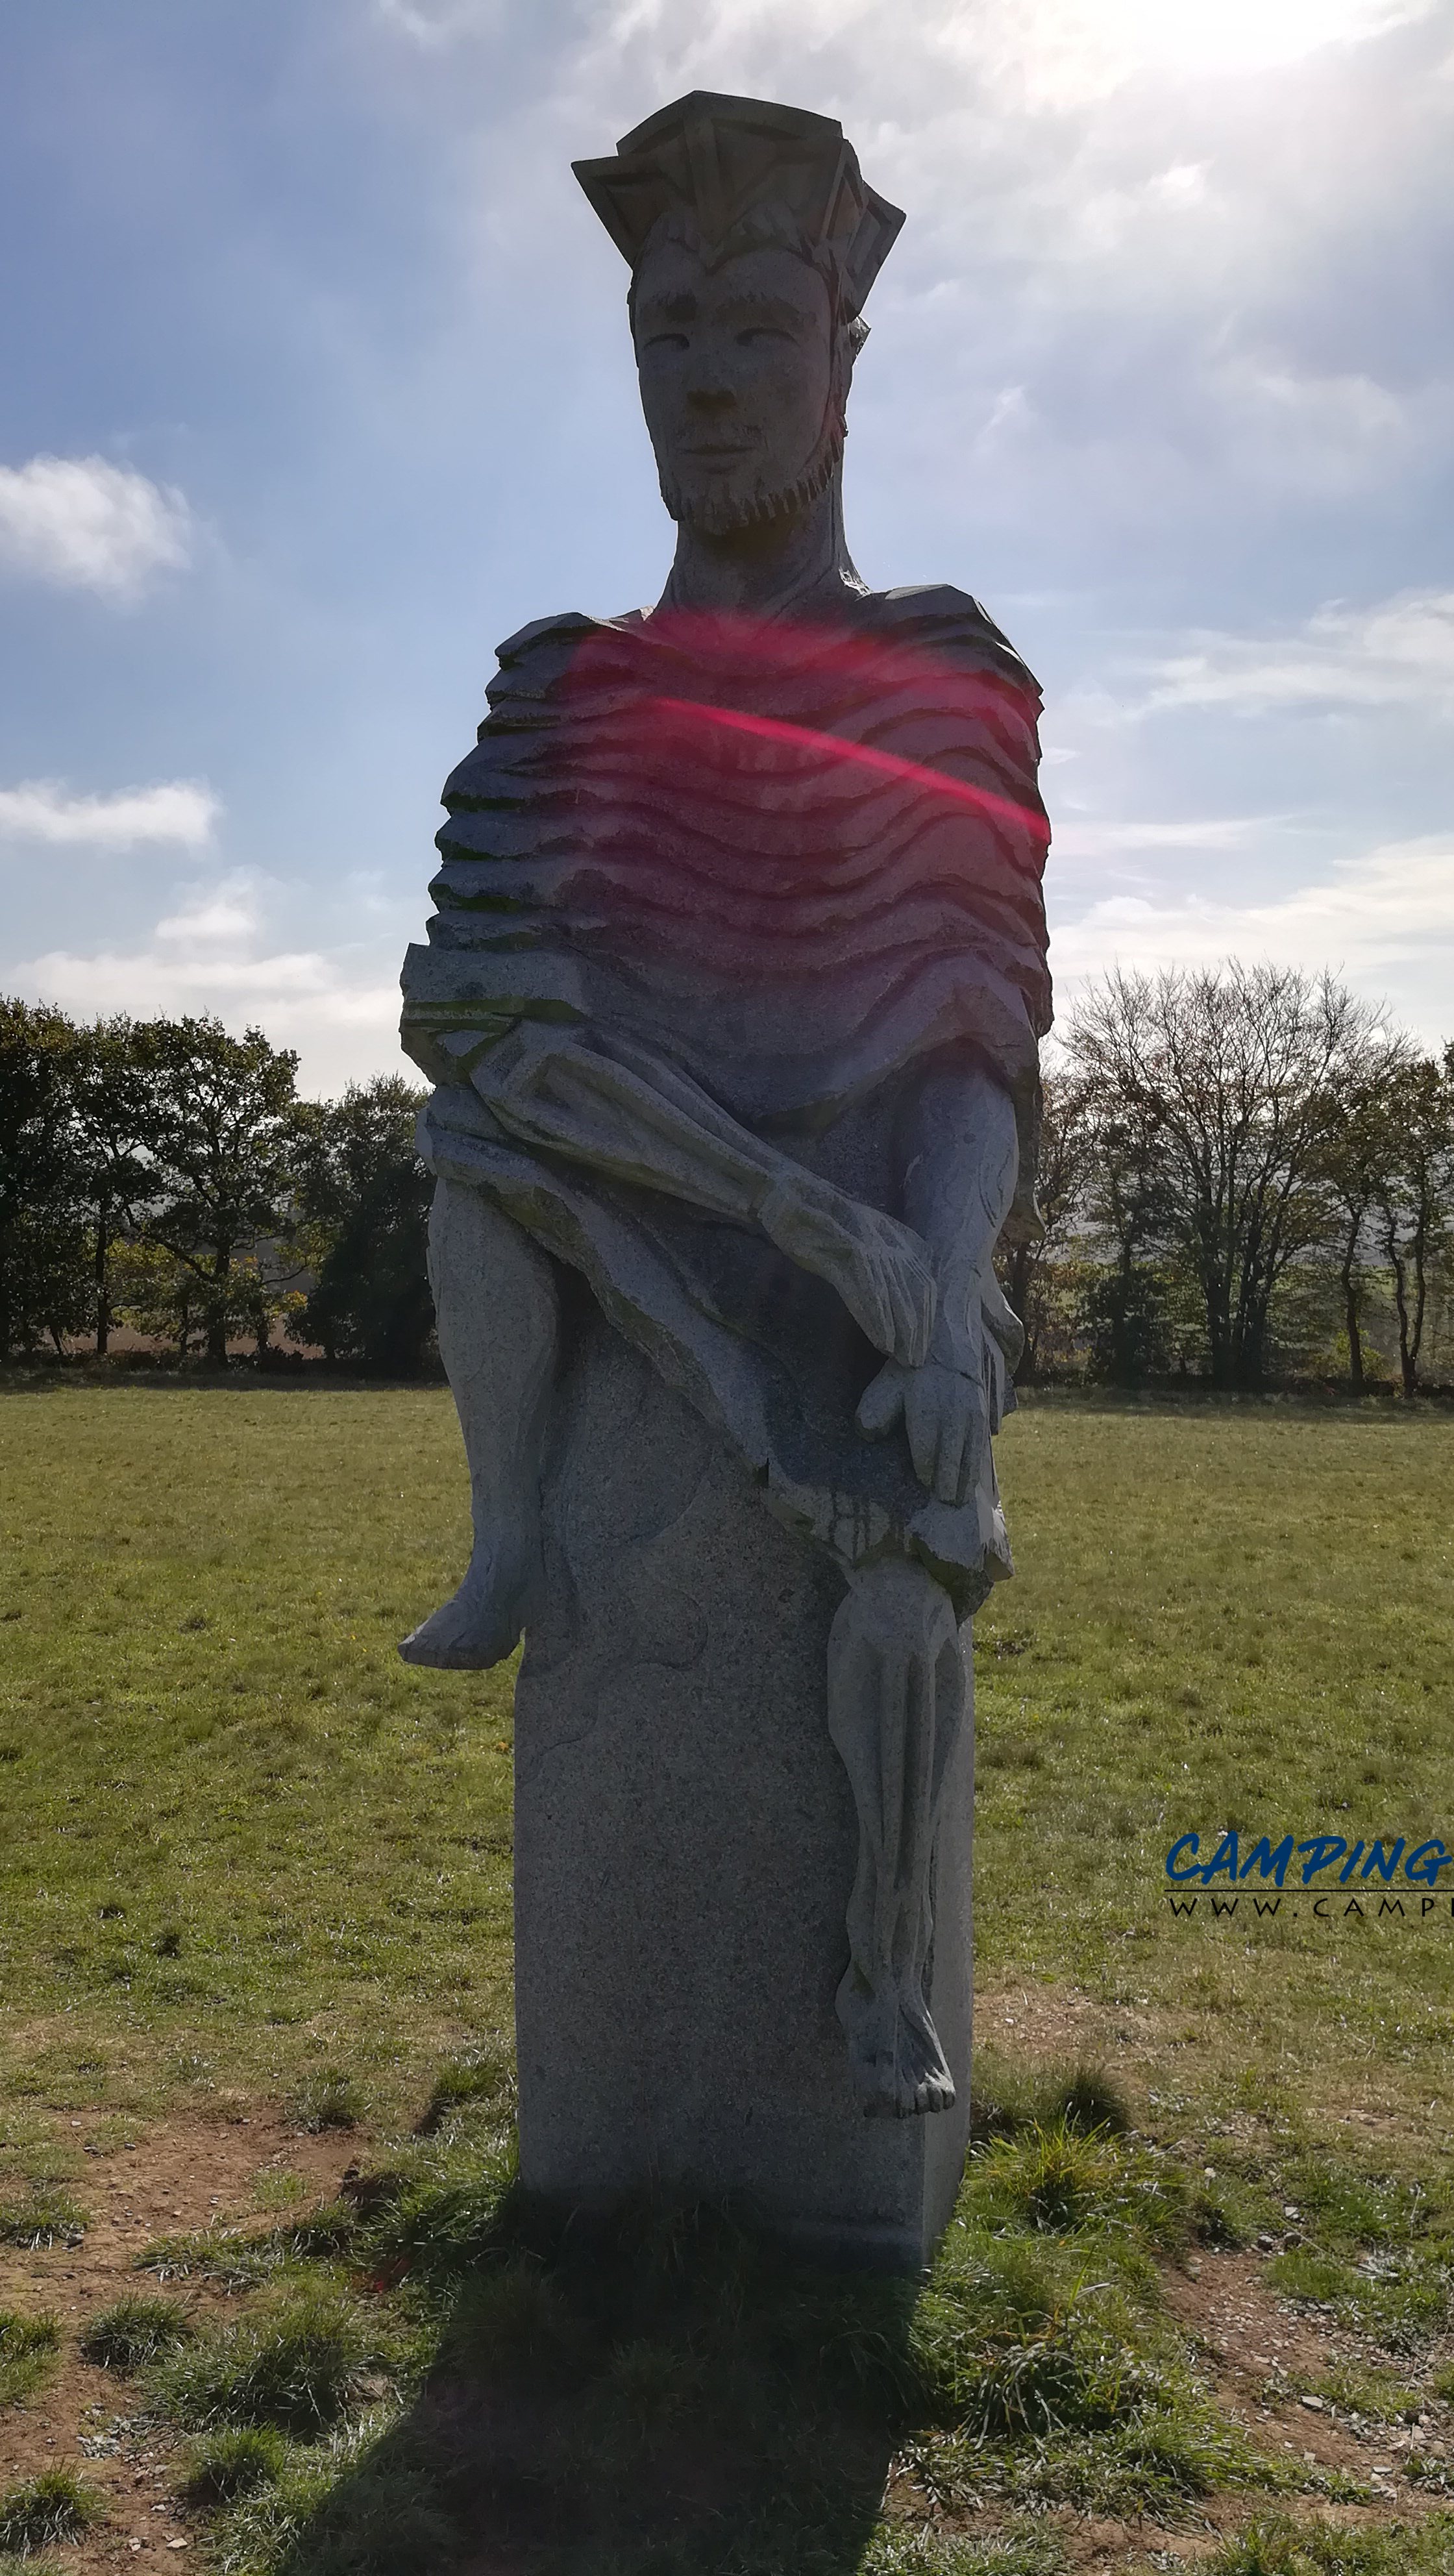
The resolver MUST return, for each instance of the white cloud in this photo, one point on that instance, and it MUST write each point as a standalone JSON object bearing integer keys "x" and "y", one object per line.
{"x": 1398, "y": 654}
{"x": 1184, "y": 184}
{"x": 42, "y": 809}
{"x": 84, "y": 524}
{"x": 227, "y": 913}
{"x": 443, "y": 22}
{"x": 1074, "y": 839}
{"x": 210, "y": 956}
{"x": 1295, "y": 431}
{"x": 1049, "y": 55}
{"x": 1114, "y": 38}
{"x": 1385, "y": 916}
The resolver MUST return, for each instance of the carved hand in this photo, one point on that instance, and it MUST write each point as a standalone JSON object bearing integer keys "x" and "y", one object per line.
{"x": 881, "y": 1269}
{"x": 945, "y": 1414}
{"x": 627, "y": 1113}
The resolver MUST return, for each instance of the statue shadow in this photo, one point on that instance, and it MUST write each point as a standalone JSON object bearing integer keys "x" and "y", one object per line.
{"x": 665, "y": 2393}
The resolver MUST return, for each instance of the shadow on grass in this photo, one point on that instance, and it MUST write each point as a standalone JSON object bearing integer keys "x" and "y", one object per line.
{"x": 438, "y": 2376}
{"x": 1197, "y": 1397}
{"x": 286, "y": 1375}
{"x": 663, "y": 2393}
{"x": 290, "y": 1372}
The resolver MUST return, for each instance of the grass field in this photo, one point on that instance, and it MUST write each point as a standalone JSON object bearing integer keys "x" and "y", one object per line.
{"x": 254, "y": 1872}
{"x": 236, "y": 1833}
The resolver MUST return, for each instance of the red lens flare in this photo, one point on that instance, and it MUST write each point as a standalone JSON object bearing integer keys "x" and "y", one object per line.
{"x": 883, "y": 764}
{"x": 806, "y": 822}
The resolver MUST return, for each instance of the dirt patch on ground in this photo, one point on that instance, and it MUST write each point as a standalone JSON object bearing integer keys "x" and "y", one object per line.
{"x": 1263, "y": 2354}
{"x": 232, "y": 2166}
{"x": 183, "y": 2175}
{"x": 1259, "y": 2356}
{"x": 1056, "y": 2023}
{"x": 1099, "y": 2546}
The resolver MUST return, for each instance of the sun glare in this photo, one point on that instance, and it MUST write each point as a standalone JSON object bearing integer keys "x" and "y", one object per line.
{"x": 1067, "y": 53}
{"x": 1245, "y": 35}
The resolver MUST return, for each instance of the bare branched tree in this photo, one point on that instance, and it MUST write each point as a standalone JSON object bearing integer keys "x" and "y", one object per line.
{"x": 1357, "y": 1158}
{"x": 1127, "y": 1219}
{"x": 1225, "y": 1076}
{"x": 1062, "y": 1171}
{"x": 1414, "y": 1194}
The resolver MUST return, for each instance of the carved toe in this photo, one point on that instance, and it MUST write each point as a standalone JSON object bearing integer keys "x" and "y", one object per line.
{"x": 467, "y": 1634}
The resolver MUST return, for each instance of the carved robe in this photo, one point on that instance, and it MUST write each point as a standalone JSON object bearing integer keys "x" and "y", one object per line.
{"x": 801, "y": 864}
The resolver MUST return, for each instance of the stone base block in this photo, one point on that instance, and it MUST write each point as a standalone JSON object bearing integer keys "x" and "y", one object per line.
{"x": 685, "y": 1844}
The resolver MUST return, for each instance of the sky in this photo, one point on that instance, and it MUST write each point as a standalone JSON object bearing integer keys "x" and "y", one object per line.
{"x": 319, "y": 384}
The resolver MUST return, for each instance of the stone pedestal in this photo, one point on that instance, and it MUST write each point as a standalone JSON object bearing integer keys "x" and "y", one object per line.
{"x": 685, "y": 1844}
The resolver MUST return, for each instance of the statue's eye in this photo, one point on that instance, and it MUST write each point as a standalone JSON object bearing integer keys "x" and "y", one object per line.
{"x": 761, "y": 331}
{"x": 665, "y": 340}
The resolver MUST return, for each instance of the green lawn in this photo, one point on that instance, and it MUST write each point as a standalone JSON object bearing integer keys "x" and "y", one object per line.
{"x": 245, "y": 1851}
{"x": 1236, "y": 1615}
{"x": 236, "y": 1832}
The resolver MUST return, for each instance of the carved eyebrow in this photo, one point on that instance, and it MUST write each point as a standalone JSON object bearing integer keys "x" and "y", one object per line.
{"x": 748, "y": 307}
{"x": 669, "y": 308}
{"x": 745, "y": 308}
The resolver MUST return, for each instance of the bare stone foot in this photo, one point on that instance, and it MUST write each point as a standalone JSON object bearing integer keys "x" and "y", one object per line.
{"x": 481, "y": 1624}
{"x": 899, "y": 2069}
{"x": 924, "y": 2074}
{"x": 495, "y": 1298}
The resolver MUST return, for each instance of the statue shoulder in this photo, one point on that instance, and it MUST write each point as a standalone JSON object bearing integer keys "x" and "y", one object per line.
{"x": 530, "y": 657}
{"x": 548, "y": 637}
{"x": 524, "y": 698}
{"x": 947, "y": 621}
{"x": 529, "y": 642}
{"x": 532, "y": 663}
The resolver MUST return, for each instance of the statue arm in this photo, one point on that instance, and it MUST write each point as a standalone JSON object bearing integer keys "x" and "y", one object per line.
{"x": 616, "y": 1108}
{"x": 959, "y": 1185}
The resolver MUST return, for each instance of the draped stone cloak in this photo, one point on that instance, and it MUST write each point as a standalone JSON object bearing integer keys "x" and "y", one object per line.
{"x": 800, "y": 863}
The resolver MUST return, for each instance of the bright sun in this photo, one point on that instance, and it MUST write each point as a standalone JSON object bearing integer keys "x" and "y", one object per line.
{"x": 1243, "y": 35}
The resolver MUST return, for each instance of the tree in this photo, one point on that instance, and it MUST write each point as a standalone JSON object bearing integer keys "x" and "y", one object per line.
{"x": 42, "y": 1216}
{"x": 366, "y": 1196}
{"x": 1415, "y": 1193}
{"x": 1028, "y": 1265}
{"x": 155, "y": 1293}
{"x": 1122, "y": 1306}
{"x": 1226, "y": 1076}
{"x": 225, "y": 1132}
{"x": 1355, "y": 1160}
{"x": 111, "y": 1114}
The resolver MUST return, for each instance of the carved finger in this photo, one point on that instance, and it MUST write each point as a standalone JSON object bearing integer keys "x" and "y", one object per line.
{"x": 899, "y": 1296}
{"x": 922, "y": 1422}
{"x": 977, "y": 1432}
{"x": 949, "y": 1478}
{"x": 915, "y": 1300}
{"x": 901, "y": 1328}
{"x": 882, "y": 1403}
{"x": 868, "y": 1295}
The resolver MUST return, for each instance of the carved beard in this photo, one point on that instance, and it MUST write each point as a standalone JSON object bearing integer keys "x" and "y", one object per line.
{"x": 763, "y": 506}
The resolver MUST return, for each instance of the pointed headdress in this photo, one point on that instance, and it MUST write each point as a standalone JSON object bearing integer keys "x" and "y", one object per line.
{"x": 716, "y": 160}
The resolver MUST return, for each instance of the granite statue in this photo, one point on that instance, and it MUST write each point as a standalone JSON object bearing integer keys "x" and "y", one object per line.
{"x": 731, "y": 1002}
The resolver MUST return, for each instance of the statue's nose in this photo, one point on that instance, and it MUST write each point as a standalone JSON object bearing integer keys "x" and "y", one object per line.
{"x": 710, "y": 391}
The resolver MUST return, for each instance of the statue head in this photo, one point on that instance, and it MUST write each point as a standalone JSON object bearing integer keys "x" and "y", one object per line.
{"x": 752, "y": 242}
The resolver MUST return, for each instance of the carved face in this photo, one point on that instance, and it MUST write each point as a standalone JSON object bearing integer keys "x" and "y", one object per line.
{"x": 736, "y": 368}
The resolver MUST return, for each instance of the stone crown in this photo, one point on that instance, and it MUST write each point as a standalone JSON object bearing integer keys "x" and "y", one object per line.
{"x": 716, "y": 158}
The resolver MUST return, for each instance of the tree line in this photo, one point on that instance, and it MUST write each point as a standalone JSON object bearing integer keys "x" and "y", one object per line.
{"x": 1247, "y": 1174}
{"x": 165, "y": 1175}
